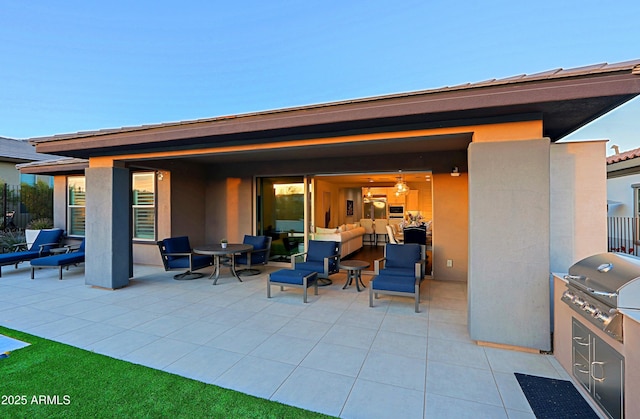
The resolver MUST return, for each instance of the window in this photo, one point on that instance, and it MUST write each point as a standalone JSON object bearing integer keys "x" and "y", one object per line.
{"x": 144, "y": 206}
{"x": 76, "y": 203}
{"x": 32, "y": 180}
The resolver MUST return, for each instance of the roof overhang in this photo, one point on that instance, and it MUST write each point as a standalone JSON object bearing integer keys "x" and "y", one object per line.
{"x": 63, "y": 166}
{"x": 564, "y": 100}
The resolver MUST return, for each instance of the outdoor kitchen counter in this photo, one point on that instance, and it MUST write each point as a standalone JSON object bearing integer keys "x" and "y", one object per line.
{"x": 562, "y": 338}
{"x": 631, "y": 314}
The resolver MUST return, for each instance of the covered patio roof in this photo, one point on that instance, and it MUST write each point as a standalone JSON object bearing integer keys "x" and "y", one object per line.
{"x": 564, "y": 100}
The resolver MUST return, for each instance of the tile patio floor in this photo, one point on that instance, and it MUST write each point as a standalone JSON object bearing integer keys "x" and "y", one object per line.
{"x": 333, "y": 355}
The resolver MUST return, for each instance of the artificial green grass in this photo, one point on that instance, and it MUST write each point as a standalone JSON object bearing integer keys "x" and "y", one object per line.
{"x": 61, "y": 381}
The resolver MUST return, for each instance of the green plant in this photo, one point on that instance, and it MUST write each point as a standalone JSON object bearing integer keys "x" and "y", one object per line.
{"x": 37, "y": 199}
{"x": 40, "y": 223}
{"x": 83, "y": 384}
{"x": 224, "y": 241}
{"x": 9, "y": 239}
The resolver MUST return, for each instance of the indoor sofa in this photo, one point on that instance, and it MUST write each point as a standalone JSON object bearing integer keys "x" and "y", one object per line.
{"x": 348, "y": 235}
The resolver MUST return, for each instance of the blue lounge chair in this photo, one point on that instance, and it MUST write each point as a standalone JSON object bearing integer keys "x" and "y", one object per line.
{"x": 72, "y": 257}
{"x": 46, "y": 240}
{"x": 402, "y": 273}
{"x": 322, "y": 257}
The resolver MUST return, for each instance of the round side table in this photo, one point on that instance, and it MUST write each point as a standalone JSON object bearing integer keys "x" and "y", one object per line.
{"x": 354, "y": 270}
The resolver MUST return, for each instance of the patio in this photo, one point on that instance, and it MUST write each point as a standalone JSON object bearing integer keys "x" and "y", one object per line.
{"x": 334, "y": 355}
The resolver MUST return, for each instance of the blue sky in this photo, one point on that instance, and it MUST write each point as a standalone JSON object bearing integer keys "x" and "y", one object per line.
{"x": 69, "y": 66}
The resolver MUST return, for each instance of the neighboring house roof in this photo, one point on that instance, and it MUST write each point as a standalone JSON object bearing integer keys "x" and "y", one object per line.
{"x": 623, "y": 164}
{"x": 58, "y": 166}
{"x": 564, "y": 99}
{"x": 626, "y": 155}
{"x": 20, "y": 151}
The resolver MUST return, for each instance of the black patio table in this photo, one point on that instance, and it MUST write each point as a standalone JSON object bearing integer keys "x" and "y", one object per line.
{"x": 217, "y": 251}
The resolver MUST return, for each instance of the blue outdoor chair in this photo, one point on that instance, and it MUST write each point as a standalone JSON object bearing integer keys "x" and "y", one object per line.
{"x": 258, "y": 256}
{"x": 402, "y": 273}
{"x": 46, "y": 240}
{"x": 322, "y": 257}
{"x": 72, "y": 257}
{"x": 176, "y": 254}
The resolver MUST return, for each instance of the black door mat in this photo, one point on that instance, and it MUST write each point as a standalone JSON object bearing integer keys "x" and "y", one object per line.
{"x": 550, "y": 398}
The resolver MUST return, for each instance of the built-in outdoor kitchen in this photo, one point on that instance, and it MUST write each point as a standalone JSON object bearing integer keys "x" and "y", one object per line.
{"x": 597, "y": 330}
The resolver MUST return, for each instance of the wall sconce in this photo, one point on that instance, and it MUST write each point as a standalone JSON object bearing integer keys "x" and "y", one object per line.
{"x": 455, "y": 171}
{"x": 160, "y": 175}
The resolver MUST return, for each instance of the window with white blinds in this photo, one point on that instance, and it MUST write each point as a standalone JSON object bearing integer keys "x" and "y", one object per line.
{"x": 76, "y": 202}
{"x": 144, "y": 206}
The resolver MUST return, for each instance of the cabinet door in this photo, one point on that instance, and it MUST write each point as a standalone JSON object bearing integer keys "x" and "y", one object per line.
{"x": 413, "y": 202}
{"x": 581, "y": 354}
{"x": 607, "y": 373}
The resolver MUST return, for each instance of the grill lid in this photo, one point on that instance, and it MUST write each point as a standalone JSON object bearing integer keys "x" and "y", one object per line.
{"x": 604, "y": 274}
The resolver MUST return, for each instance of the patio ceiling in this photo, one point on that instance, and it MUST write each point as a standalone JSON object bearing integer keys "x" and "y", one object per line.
{"x": 419, "y": 144}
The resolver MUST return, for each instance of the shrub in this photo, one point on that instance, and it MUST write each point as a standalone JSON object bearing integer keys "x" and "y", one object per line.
{"x": 40, "y": 223}
{"x": 9, "y": 239}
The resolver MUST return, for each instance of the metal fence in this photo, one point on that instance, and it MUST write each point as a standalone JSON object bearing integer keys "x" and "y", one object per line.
{"x": 21, "y": 204}
{"x": 623, "y": 235}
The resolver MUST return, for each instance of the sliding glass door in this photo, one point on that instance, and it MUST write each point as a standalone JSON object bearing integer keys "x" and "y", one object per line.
{"x": 281, "y": 214}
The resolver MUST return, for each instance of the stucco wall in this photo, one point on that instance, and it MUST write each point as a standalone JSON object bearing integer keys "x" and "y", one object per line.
{"x": 9, "y": 173}
{"x": 509, "y": 295}
{"x": 578, "y": 202}
{"x": 619, "y": 190}
{"x": 450, "y": 227}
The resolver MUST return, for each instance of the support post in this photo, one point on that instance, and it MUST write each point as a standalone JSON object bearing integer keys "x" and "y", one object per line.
{"x": 108, "y": 239}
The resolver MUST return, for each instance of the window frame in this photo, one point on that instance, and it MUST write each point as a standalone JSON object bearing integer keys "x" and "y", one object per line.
{"x": 153, "y": 206}
{"x": 71, "y": 206}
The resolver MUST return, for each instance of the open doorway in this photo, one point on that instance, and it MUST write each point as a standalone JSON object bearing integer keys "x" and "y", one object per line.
{"x": 356, "y": 198}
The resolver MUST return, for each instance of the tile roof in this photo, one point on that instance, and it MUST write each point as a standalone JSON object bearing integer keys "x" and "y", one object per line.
{"x": 20, "y": 151}
{"x": 626, "y": 155}
{"x": 559, "y": 73}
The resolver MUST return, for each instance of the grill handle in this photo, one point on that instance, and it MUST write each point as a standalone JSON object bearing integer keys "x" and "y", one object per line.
{"x": 575, "y": 277}
{"x": 602, "y": 293}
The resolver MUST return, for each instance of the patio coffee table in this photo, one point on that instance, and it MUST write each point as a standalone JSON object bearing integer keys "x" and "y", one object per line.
{"x": 217, "y": 251}
{"x": 354, "y": 270}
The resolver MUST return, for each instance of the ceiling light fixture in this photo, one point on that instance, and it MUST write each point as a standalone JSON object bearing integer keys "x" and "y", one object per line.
{"x": 401, "y": 187}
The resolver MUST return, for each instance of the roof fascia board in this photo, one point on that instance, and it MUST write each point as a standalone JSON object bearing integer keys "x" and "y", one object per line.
{"x": 114, "y": 147}
{"x": 483, "y": 97}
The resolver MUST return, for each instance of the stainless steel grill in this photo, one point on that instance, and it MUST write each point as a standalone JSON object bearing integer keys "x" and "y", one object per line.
{"x": 601, "y": 284}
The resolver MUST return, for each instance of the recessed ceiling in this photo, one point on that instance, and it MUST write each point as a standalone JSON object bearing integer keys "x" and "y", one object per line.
{"x": 419, "y": 144}
{"x": 376, "y": 180}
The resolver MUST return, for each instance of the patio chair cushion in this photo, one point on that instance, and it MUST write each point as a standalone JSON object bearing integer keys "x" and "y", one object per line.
{"x": 402, "y": 256}
{"x": 258, "y": 243}
{"x": 394, "y": 283}
{"x": 181, "y": 245}
{"x": 60, "y": 260}
{"x": 178, "y": 245}
{"x": 50, "y": 238}
{"x": 291, "y": 276}
{"x": 47, "y": 237}
{"x": 318, "y": 250}
{"x": 16, "y": 257}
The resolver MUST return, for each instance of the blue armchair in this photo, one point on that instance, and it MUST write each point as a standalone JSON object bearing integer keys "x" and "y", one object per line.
{"x": 401, "y": 274}
{"x": 45, "y": 241}
{"x": 322, "y": 257}
{"x": 176, "y": 254}
{"x": 258, "y": 256}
